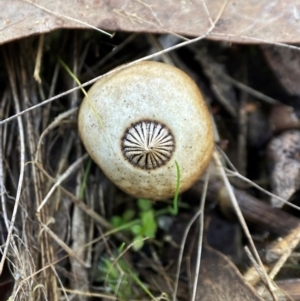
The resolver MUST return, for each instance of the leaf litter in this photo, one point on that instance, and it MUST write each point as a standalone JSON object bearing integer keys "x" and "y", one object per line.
{"x": 48, "y": 225}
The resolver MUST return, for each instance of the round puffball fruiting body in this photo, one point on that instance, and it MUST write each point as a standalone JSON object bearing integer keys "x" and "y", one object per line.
{"x": 136, "y": 122}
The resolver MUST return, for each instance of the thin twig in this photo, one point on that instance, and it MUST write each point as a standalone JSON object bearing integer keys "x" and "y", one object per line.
{"x": 62, "y": 244}
{"x": 184, "y": 237}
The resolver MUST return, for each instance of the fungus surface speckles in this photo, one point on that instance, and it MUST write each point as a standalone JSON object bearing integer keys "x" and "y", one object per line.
{"x": 148, "y": 144}
{"x": 152, "y": 114}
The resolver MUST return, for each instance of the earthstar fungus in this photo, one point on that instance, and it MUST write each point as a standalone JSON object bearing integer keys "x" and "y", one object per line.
{"x": 137, "y": 122}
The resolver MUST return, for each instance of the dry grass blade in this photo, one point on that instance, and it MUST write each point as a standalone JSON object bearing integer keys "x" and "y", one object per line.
{"x": 201, "y": 231}
{"x": 12, "y": 76}
{"x": 62, "y": 178}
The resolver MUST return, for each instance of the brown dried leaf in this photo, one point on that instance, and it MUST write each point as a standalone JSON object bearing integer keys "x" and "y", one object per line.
{"x": 292, "y": 286}
{"x": 263, "y": 20}
{"x": 286, "y": 65}
{"x": 219, "y": 279}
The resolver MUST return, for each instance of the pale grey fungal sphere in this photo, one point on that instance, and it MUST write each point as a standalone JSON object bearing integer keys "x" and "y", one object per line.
{"x": 148, "y": 144}
{"x": 138, "y": 122}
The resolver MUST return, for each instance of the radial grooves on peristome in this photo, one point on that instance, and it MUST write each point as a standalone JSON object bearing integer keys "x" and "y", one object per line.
{"x": 148, "y": 144}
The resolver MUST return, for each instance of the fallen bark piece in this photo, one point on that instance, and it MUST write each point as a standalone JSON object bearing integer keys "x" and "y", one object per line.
{"x": 219, "y": 279}
{"x": 284, "y": 156}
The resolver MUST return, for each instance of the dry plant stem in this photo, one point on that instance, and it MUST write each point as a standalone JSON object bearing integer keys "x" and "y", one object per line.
{"x": 157, "y": 266}
{"x": 54, "y": 79}
{"x": 294, "y": 240}
{"x": 46, "y": 111}
{"x": 79, "y": 238}
{"x": 49, "y": 265}
{"x": 236, "y": 174}
{"x": 62, "y": 244}
{"x": 2, "y": 187}
{"x": 110, "y": 55}
{"x": 228, "y": 35}
{"x": 256, "y": 266}
{"x": 213, "y": 71}
{"x": 250, "y": 90}
{"x": 55, "y": 123}
{"x": 38, "y": 61}
{"x": 100, "y": 193}
{"x": 90, "y": 234}
{"x": 186, "y": 231}
{"x": 60, "y": 283}
{"x": 89, "y": 294}
{"x": 63, "y": 177}
{"x": 101, "y": 76}
{"x": 179, "y": 63}
{"x": 67, "y": 17}
{"x": 156, "y": 45}
{"x": 148, "y": 57}
{"x": 45, "y": 246}
{"x": 82, "y": 58}
{"x": 89, "y": 211}
{"x": 45, "y": 267}
{"x": 120, "y": 279}
{"x": 68, "y": 141}
{"x": 235, "y": 205}
{"x": 243, "y": 129}
{"x": 65, "y": 151}
{"x": 200, "y": 239}
{"x": 10, "y": 70}
{"x": 73, "y": 97}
